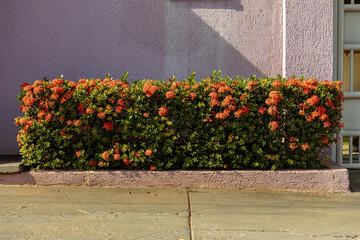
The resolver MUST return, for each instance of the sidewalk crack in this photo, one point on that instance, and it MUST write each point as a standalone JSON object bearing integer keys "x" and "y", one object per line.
{"x": 190, "y": 214}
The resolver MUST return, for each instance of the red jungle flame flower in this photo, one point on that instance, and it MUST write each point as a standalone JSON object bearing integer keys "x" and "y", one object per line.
{"x": 148, "y": 152}
{"x": 163, "y": 111}
{"x": 108, "y": 126}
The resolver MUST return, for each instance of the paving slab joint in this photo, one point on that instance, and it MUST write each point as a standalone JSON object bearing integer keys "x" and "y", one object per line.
{"x": 190, "y": 214}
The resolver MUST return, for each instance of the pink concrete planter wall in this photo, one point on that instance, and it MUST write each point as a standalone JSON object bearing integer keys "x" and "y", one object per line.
{"x": 333, "y": 179}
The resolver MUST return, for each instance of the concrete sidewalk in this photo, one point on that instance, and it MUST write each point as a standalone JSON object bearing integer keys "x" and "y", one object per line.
{"x": 33, "y": 212}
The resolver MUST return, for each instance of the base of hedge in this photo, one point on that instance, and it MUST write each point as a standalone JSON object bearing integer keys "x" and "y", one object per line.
{"x": 332, "y": 179}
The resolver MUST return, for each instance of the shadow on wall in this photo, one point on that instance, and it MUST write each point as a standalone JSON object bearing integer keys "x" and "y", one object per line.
{"x": 195, "y": 41}
{"x": 89, "y": 38}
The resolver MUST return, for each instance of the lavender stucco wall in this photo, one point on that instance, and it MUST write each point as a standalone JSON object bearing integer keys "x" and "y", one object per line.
{"x": 309, "y": 38}
{"x": 155, "y": 39}
{"x": 149, "y": 38}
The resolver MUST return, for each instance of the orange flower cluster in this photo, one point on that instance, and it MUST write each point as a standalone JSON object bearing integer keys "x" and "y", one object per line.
{"x": 66, "y": 97}
{"x": 272, "y": 157}
{"x": 243, "y": 97}
{"x": 20, "y": 121}
{"x": 274, "y": 125}
{"x": 208, "y": 119}
{"x": 214, "y": 101}
{"x": 227, "y": 100}
{"x": 293, "y": 145}
{"x": 327, "y": 124}
{"x": 241, "y": 111}
{"x": 225, "y": 89}
{"x": 78, "y": 154}
{"x": 28, "y": 88}
{"x": 192, "y": 96}
{"x": 48, "y": 117}
{"x": 338, "y": 85}
{"x": 303, "y": 107}
{"x": 37, "y": 90}
{"x": 223, "y": 115}
{"x": 175, "y": 85}
{"x": 163, "y": 111}
{"x": 126, "y": 161}
{"x": 309, "y": 85}
{"x": 262, "y": 110}
{"x": 81, "y": 109}
{"x": 121, "y": 106}
{"x": 149, "y": 89}
{"x": 170, "y": 94}
{"x": 72, "y": 84}
{"x": 186, "y": 86}
{"x": 101, "y": 164}
{"x": 305, "y": 146}
{"x": 251, "y": 85}
{"x": 292, "y": 82}
{"x": 272, "y": 110}
{"x": 214, "y": 95}
{"x": 89, "y": 110}
{"x": 58, "y": 81}
{"x": 24, "y": 85}
{"x": 105, "y": 155}
{"x": 41, "y": 114}
{"x": 26, "y": 123}
{"x": 78, "y": 123}
{"x": 108, "y": 126}
{"x": 92, "y": 163}
{"x": 220, "y": 87}
{"x": 276, "y": 84}
{"x": 274, "y": 98}
{"x": 28, "y": 101}
{"x": 57, "y": 90}
{"x": 148, "y": 152}
{"x": 330, "y": 103}
{"x": 313, "y": 100}
{"x": 320, "y": 113}
{"x": 101, "y": 114}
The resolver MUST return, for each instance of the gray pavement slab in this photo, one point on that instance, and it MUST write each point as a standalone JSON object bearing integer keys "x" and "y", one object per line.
{"x": 229, "y": 214}
{"x": 33, "y": 212}
{"x": 92, "y": 213}
{"x": 10, "y": 164}
{"x": 6, "y": 168}
{"x": 354, "y": 177}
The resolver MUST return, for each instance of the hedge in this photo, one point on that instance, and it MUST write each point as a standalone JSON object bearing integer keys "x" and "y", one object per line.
{"x": 217, "y": 123}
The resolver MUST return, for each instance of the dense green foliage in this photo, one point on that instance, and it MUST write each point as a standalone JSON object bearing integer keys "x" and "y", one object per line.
{"x": 213, "y": 124}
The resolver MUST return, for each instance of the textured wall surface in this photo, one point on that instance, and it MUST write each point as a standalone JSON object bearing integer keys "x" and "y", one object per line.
{"x": 309, "y": 38}
{"x": 149, "y": 38}
{"x": 156, "y": 39}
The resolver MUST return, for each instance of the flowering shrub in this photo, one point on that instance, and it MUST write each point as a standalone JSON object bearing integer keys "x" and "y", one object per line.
{"x": 216, "y": 123}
